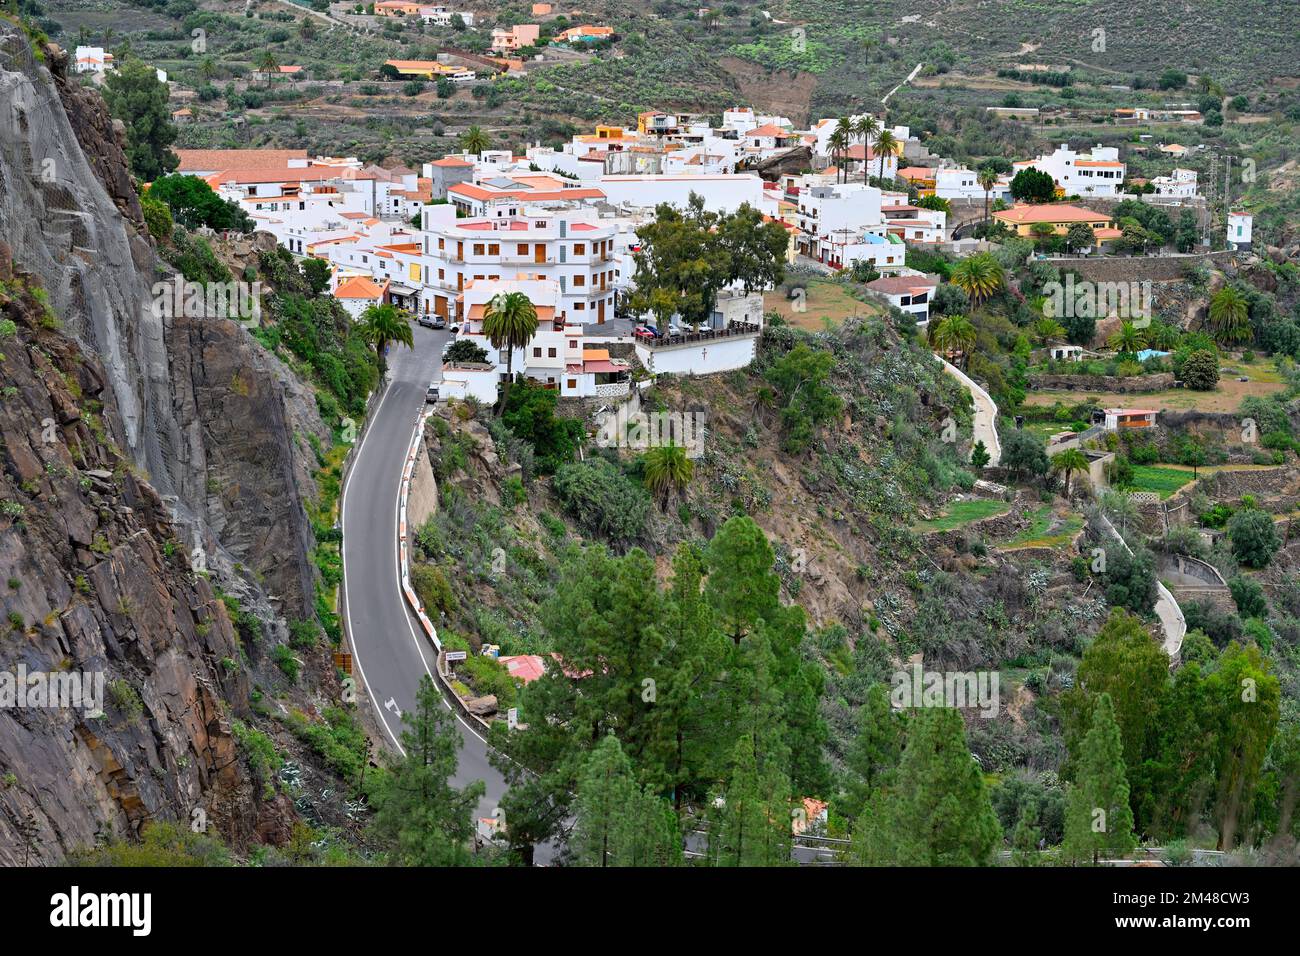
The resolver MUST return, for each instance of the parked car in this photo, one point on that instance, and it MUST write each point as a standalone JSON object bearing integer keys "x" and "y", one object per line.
{"x": 431, "y": 395}
{"x": 439, "y": 322}
{"x": 644, "y": 333}
{"x": 428, "y": 321}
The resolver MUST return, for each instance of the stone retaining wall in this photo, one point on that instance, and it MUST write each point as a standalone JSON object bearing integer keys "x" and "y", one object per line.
{"x": 1146, "y": 268}
{"x": 1124, "y": 384}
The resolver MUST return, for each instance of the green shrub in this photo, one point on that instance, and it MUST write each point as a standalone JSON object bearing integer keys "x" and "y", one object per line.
{"x": 603, "y": 500}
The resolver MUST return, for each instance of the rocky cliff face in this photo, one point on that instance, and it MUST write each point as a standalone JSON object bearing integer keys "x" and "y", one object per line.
{"x": 71, "y": 218}
{"x": 98, "y": 589}
{"x": 128, "y": 439}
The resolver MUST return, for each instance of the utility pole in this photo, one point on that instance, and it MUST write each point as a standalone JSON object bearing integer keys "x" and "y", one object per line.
{"x": 1227, "y": 194}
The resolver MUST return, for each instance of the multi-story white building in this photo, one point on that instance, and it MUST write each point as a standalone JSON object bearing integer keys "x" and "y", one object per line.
{"x": 1180, "y": 184}
{"x": 1095, "y": 173}
{"x": 557, "y": 356}
{"x": 572, "y": 247}
{"x": 832, "y": 207}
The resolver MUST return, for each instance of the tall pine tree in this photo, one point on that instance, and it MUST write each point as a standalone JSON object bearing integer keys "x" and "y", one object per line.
{"x": 937, "y": 811}
{"x": 1098, "y": 818}
{"x": 419, "y": 816}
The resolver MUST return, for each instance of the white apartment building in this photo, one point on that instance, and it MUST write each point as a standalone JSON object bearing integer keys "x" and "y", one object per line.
{"x": 833, "y": 207}
{"x": 1098, "y": 172}
{"x": 572, "y": 247}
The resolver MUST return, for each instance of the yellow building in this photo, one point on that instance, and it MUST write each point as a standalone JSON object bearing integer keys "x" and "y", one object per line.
{"x": 1060, "y": 216}
{"x": 428, "y": 69}
{"x": 397, "y": 8}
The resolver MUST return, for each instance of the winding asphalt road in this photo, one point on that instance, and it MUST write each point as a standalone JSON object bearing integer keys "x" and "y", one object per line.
{"x": 390, "y": 651}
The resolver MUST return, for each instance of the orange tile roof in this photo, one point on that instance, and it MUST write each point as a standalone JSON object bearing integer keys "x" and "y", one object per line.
{"x": 359, "y": 287}
{"x": 451, "y": 161}
{"x": 771, "y": 129}
{"x": 202, "y": 159}
{"x": 1097, "y": 162}
{"x": 1050, "y": 212}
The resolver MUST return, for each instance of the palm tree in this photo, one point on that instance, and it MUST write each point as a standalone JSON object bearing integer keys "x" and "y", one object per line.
{"x": 1128, "y": 338}
{"x": 866, "y": 129}
{"x": 1230, "y": 316}
{"x": 1046, "y": 329}
{"x": 509, "y": 322}
{"x": 109, "y": 33}
{"x": 953, "y": 335}
{"x": 667, "y": 469}
{"x": 987, "y": 177}
{"x": 979, "y": 276}
{"x": 475, "y": 141}
{"x": 1163, "y": 336}
{"x": 207, "y": 69}
{"x": 885, "y": 144}
{"x": 267, "y": 63}
{"x": 382, "y": 324}
{"x": 838, "y": 144}
{"x": 1067, "y": 463}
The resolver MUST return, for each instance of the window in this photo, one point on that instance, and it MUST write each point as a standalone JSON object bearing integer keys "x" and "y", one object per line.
{"x": 494, "y": 249}
{"x": 579, "y": 280}
{"x": 579, "y": 306}
{"x": 550, "y": 353}
{"x": 537, "y": 352}
{"x": 573, "y": 383}
{"x": 521, "y": 249}
{"x": 579, "y": 248}
{"x": 478, "y": 248}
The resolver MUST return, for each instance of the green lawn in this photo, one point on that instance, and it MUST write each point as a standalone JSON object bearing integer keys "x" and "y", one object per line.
{"x": 1163, "y": 481}
{"x": 961, "y": 513}
{"x": 1047, "y": 531}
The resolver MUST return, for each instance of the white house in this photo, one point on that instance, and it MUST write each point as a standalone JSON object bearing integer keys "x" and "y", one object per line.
{"x": 958, "y": 182}
{"x": 911, "y": 293}
{"x": 1180, "y": 184}
{"x": 462, "y": 380}
{"x": 93, "y": 59}
{"x": 356, "y": 293}
{"x": 1239, "y": 229}
{"x": 1098, "y": 172}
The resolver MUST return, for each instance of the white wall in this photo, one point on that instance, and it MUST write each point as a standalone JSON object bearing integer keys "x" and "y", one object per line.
{"x": 716, "y": 355}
